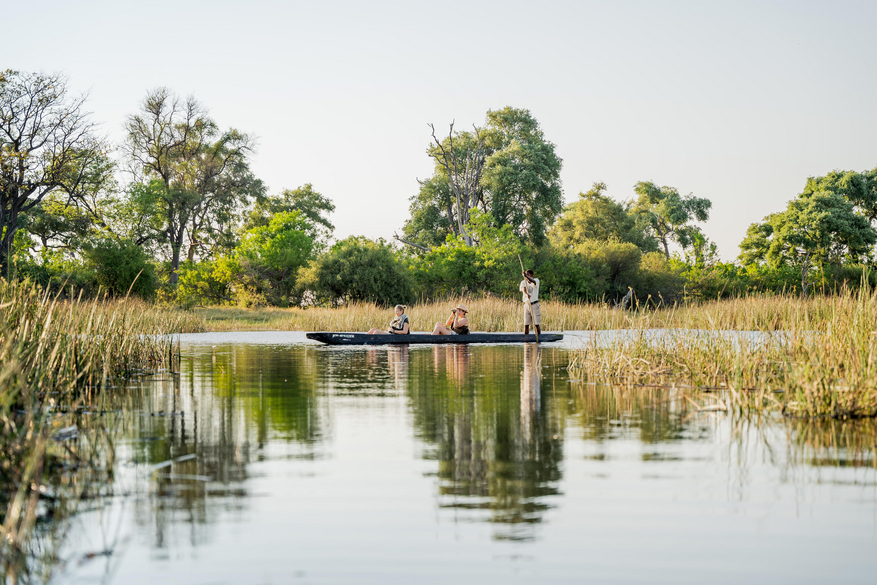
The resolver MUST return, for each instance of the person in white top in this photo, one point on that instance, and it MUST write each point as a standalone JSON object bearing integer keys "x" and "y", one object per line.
{"x": 530, "y": 292}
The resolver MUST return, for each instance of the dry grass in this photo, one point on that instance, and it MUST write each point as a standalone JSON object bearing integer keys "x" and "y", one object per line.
{"x": 814, "y": 358}
{"x": 755, "y": 313}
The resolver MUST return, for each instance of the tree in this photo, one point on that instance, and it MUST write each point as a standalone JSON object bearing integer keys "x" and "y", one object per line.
{"x": 313, "y": 207}
{"x": 506, "y": 170}
{"x": 196, "y": 177}
{"x": 817, "y": 229}
{"x": 47, "y": 146}
{"x": 463, "y": 164}
{"x": 357, "y": 269}
{"x": 522, "y": 175}
{"x": 598, "y": 217}
{"x": 668, "y": 215}
{"x": 860, "y": 189}
{"x": 269, "y": 257}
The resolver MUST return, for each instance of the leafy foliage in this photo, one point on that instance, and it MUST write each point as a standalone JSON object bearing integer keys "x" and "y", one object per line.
{"x": 47, "y": 146}
{"x": 120, "y": 266}
{"x": 594, "y": 216}
{"x": 454, "y": 266}
{"x": 357, "y": 269}
{"x": 817, "y": 229}
{"x": 313, "y": 206}
{"x": 669, "y": 216}
{"x": 520, "y": 185}
{"x": 196, "y": 179}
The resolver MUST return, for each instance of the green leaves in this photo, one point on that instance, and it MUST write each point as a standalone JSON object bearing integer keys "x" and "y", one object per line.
{"x": 519, "y": 187}
{"x": 598, "y": 217}
{"x": 357, "y": 269}
{"x": 311, "y": 204}
{"x": 669, "y": 216}
{"x": 819, "y": 228}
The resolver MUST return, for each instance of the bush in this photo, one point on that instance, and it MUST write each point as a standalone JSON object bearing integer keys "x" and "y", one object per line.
{"x": 658, "y": 281}
{"x": 615, "y": 265}
{"x": 120, "y": 266}
{"x": 490, "y": 267}
{"x": 357, "y": 269}
{"x": 567, "y": 276}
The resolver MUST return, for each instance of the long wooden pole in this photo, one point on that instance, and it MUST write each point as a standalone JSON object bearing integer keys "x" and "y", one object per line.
{"x": 529, "y": 305}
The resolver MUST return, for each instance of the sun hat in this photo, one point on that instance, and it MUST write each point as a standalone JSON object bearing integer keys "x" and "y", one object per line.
{"x": 463, "y": 308}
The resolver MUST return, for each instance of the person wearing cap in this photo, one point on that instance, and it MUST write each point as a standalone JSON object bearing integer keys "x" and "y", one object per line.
{"x": 530, "y": 290}
{"x": 457, "y": 323}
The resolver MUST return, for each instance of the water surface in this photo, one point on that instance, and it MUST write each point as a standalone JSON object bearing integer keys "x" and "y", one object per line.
{"x": 298, "y": 463}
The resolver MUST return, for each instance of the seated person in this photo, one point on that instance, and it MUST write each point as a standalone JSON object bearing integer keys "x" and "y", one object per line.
{"x": 457, "y": 323}
{"x": 398, "y": 326}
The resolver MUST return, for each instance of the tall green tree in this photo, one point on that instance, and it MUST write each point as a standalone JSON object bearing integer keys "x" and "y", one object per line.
{"x": 313, "y": 206}
{"x": 522, "y": 186}
{"x": 860, "y": 189}
{"x": 819, "y": 229}
{"x": 594, "y": 216}
{"x": 507, "y": 170}
{"x": 48, "y": 145}
{"x": 669, "y": 216}
{"x": 198, "y": 178}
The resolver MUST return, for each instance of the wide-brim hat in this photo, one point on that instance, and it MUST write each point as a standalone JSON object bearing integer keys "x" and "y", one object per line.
{"x": 463, "y": 308}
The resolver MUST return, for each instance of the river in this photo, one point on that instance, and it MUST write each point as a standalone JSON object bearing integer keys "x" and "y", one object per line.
{"x": 271, "y": 459}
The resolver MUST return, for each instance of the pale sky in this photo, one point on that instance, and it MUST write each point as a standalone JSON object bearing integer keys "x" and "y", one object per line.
{"x": 738, "y": 102}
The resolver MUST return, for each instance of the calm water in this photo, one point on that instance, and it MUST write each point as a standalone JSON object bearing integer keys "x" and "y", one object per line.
{"x": 298, "y": 463}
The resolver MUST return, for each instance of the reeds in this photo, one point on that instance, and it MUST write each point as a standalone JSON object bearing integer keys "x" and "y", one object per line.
{"x": 753, "y": 313}
{"x": 805, "y": 358}
{"x": 54, "y": 357}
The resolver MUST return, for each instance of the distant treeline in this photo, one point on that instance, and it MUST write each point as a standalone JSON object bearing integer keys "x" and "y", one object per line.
{"x": 175, "y": 213}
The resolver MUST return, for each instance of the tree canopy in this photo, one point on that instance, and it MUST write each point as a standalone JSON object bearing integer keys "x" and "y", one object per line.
{"x": 198, "y": 177}
{"x": 594, "y": 216}
{"x": 48, "y": 146}
{"x": 313, "y": 207}
{"x": 509, "y": 172}
{"x": 667, "y": 215}
{"x": 818, "y": 229}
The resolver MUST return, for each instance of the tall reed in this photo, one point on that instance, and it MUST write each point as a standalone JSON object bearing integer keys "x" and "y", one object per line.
{"x": 753, "y": 313}
{"x": 54, "y": 357}
{"x": 809, "y": 358}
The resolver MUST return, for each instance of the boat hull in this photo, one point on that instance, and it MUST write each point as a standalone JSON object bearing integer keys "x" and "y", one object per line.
{"x": 340, "y": 338}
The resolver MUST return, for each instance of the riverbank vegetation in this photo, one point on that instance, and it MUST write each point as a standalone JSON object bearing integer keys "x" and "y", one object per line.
{"x": 812, "y": 358}
{"x": 175, "y": 214}
{"x": 57, "y": 361}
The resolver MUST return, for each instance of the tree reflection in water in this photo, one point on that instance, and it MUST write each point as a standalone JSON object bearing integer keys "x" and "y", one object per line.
{"x": 223, "y": 409}
{"x": 492, "y": 418}
{"x": 499, "y": 453}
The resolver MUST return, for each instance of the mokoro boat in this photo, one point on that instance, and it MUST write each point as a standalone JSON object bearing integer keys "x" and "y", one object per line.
{"x": 424, "y": 338}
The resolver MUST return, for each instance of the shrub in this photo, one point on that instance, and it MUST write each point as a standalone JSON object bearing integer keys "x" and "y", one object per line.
{"x": 357, "y": 269}
{"x": 120, "y": 266}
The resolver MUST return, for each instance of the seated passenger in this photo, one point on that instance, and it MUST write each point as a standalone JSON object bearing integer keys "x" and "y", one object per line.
{"x": 398, "y": 326}
{"x": 457, "y": 323}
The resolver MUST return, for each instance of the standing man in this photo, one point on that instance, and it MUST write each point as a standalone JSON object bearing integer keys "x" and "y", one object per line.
{"x": 530, "y": 289}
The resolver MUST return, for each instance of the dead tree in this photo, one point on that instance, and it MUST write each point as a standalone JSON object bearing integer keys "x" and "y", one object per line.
{"x": 464, "y": 176}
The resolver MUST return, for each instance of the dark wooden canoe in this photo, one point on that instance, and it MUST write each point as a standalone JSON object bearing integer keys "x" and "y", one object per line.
{"x": 423, "y": 338}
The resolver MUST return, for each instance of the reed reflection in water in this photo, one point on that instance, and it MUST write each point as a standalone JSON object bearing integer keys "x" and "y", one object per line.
{"x": 440, "y": 460}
